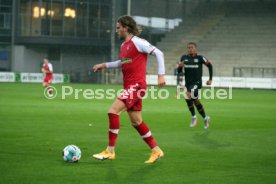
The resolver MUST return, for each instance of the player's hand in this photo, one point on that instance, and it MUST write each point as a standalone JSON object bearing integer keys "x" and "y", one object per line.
{"x": 161, "y": 81}
{"x": 180, "y": 64}
{"x": 98, "y": 67}
{"x": 209, "y": 82}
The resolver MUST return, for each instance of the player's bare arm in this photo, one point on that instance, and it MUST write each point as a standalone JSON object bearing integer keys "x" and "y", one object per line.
{"x": 161, "y": 81}
{"x": 180, "y": 64}
{"x": 45, "y": 71}
{"x": 209, "y": 82}
{"x": 99, "y": 67}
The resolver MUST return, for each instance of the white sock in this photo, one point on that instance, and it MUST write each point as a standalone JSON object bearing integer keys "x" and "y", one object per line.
{"x": 155, "y": 148}
{"x": 111, "y": 148}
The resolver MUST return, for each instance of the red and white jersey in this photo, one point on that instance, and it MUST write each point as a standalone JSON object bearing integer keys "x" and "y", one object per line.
{"x": 133, "y": 56}
{"x": 48, "y": 68}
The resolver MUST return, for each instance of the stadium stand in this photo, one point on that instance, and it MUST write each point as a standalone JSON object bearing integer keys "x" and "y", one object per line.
{"x": 230, "y": 36}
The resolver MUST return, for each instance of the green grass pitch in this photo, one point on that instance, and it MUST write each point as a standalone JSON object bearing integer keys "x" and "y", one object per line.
{"x": 239, "y": 146}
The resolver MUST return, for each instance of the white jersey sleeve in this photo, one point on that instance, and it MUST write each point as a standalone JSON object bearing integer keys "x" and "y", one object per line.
{"x": 143, "y": 45}
{"x": 160, "y": 61}
{"x": 50, "y": 67}
{"x": 114, "y": 64}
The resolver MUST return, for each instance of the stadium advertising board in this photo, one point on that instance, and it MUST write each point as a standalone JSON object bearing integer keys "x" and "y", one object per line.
{"x": 38, "y": 78}
{"x": 31, "y": 77}
{"x": 7, "y": 77}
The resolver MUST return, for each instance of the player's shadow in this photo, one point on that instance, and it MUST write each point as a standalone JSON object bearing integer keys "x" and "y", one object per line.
{"x": 203, "y": 140}
{"x": 138, "y": 175}
{"x": 141, "y": 174}
{"x": 112, "y": 175}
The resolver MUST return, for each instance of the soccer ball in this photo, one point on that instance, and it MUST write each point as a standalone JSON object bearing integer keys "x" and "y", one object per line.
{"x": 71, "y": 153}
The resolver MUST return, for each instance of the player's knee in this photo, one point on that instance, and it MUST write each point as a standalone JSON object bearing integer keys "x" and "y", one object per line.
{"x": 196, "y": 101}
{"x": 113, "y": 110}
{"x": 135, "y": 123}
{"x": 189, "y": 100}
{"x": 136, "y": 120}
{"x": 189, "y": 96}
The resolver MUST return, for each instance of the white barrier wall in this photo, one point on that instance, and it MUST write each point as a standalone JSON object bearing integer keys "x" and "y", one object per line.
{"x": 235, "y": 82}
{"x": 30, "y": 77}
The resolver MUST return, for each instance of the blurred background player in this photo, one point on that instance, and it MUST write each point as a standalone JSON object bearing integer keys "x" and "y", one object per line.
{"x": 47, "y": 70}
{"x": 133, "y": 59}
{"x": 192, "y": 64}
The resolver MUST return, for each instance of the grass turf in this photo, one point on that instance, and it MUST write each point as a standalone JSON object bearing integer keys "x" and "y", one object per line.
{"x": 239, "y": 146}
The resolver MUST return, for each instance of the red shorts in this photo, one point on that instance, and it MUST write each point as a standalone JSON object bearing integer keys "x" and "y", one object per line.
{"x": 48, "y": 79}
{"x": 132, "y": 96}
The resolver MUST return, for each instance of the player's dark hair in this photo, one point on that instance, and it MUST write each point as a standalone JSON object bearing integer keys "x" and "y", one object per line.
{"x": 130, "y": 23}
{"x": 192, "y": 43}
{"x": 46, "y": 57}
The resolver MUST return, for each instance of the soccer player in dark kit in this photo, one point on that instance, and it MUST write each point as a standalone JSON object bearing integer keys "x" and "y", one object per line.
{"x": 192, "y": 64}
{"x": 133, "y": 58}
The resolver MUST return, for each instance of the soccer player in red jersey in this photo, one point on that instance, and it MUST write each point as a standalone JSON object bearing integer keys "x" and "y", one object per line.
{"x": 47, "y": 70}
{"x": 133, "y": 59}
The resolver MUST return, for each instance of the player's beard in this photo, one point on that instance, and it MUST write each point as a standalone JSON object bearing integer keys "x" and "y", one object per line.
{"x": 121, "y": 37}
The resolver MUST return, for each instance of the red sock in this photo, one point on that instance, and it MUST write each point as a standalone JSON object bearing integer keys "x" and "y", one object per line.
{"x": 114, "y": 126}
{"x": 146, "y": 135}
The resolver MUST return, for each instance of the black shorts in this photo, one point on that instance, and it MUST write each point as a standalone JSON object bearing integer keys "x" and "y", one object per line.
{"x": 193, "y": 89}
